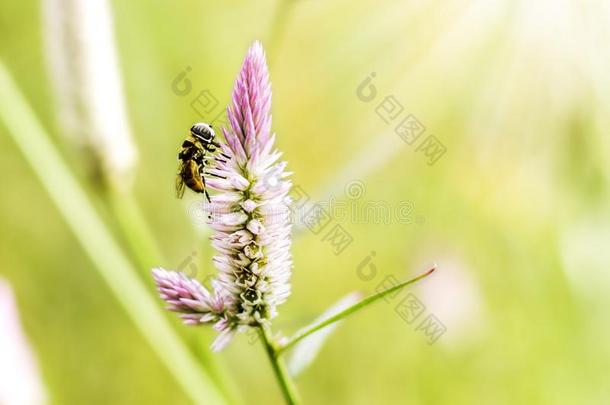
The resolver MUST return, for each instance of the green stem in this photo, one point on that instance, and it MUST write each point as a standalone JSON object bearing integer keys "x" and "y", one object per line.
{"x": 365, "y": 302}
{"x": 134, "y": 227}
{"x": 279, "y": 368}
{"x": 98, "y": 243}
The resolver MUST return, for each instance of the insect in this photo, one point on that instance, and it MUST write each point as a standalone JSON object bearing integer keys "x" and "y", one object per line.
{"x": 197, "y": 154}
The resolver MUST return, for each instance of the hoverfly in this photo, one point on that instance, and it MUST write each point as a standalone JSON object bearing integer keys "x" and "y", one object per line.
{"x": 195, "y": 156}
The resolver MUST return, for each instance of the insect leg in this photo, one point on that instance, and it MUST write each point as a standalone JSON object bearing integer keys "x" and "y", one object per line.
{"x": 205, "y": 189}
{"x": 216, "y": 175}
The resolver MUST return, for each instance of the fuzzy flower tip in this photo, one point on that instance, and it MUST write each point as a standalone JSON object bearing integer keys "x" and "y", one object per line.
{"x": 249, "y": 215}
{"x": 195, "y": 304}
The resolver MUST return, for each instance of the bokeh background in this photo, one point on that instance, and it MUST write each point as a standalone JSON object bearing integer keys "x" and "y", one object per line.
{"x": 515, "y": 212}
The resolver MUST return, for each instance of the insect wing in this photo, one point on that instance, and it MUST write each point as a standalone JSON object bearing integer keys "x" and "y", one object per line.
{"x": 180, "y": 182}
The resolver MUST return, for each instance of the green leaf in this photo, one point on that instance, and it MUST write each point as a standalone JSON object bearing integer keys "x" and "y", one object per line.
{"x": 348, "y": 311}
{"x": 307, "y": 349}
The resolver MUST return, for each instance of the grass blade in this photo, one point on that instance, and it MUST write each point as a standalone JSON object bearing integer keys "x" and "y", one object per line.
{"x": 348, "y": 311}
{"x": 98, "y": 243}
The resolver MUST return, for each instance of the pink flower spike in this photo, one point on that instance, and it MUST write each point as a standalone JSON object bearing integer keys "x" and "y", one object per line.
{"x": 249, "y": 216}
{"x": 188, "y": 297}
{"x": 253, "y": 240}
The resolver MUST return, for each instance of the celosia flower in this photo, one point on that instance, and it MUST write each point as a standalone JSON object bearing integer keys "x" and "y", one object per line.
{"x": 250, "y": 217}
{"x": 251, "y": 214}
{"x": 188, "y": 297}
{"x": 195, "y": 303}
{"x": 84, "y": 64}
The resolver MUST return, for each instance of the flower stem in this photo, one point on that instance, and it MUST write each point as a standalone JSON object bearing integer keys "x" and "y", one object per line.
{"x": 279, "y": 368}
{"x": 348, "y": 311}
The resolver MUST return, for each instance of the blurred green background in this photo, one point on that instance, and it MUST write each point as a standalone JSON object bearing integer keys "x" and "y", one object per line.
{"x": 515, "y": 213}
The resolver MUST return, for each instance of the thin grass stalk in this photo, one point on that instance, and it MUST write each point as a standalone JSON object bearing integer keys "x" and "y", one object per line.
{"x": 97, "y": 241}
